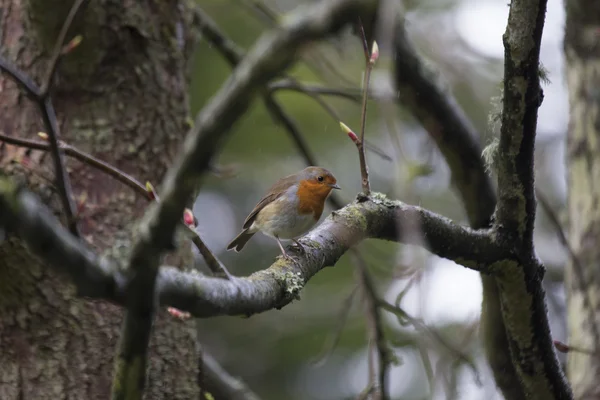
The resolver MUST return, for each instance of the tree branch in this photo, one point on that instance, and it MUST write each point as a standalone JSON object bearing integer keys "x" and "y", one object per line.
{"x": 522, "y": 98}
{"x": 81, "y": 156}
{"x": 433, "y": 105}
{"x": 504, "y": 297}
{"x": 234, "y": 53}
{"x": 374, "y": 325}
{"x": 439, "y": 113}
{"x": 272, "y": 54}
{"x": 41, "y": 96}
{"x": 202, "y": 296}
{"x": 222, "y": 385}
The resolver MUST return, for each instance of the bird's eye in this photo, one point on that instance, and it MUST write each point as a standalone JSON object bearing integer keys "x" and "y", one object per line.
{"x": 320, "y": 179}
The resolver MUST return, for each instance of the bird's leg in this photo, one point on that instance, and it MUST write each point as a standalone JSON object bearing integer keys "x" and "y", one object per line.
{"x": 283, "y": 252}
{"x": 300, "y": 247}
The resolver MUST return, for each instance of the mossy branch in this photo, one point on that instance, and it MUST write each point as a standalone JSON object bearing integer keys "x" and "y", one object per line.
{"x": 367, "y": 217}
{"x": 532, "y": 370}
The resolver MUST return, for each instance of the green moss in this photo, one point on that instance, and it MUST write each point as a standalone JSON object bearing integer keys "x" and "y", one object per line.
{"x": 355, "y": 215}
{"x": 382, "y": 199}
{"x": 127, "y": 378}
{"x": 291, "y": 281}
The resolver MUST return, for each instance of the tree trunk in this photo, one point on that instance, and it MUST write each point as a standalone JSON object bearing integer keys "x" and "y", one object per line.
{"x": 121, "y": 96}
{"x": 582, "y": 282}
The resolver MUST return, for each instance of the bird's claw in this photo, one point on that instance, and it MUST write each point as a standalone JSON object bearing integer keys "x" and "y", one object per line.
{"x": 300, "y": 247}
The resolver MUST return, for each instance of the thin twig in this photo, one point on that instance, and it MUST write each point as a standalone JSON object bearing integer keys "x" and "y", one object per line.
{"x": 81, "y": 156}
{"x": 314, "y": 59}
{"x": 62, "y": 177}
{"x": 420, "y": 326}
{"x": 212, "y": 261}
{"x": 376, "y": 336}
{"x": 222, "y": 385}
{"x": 214, "y": 264}
{"x": 20, "y": 78}
{"x": 234, "y": 53}
{"x": 335, "y": 336}
{"x": 42, "y": 99}
{"x": 369, "y": 62}
{"x": 352, "y": 94}
{"x": 58, "y": 47}
{"x": 329, "y": 109}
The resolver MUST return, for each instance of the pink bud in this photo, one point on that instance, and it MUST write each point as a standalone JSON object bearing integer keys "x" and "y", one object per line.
{"x": 374, "y": 53}
{"x": 178, "y": 313}
{"x": 349, "y": 132}
{"x": 353, "y": 136}
{"x": 76, "y": 41}
{"x": 188, "y": 218}
{"x": 151, "y": 192}
{"x": 562, "y": 347}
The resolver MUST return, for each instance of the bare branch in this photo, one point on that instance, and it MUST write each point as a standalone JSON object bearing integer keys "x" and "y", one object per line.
{"x": 42, "y": 99}
{"x": 58, "y": 46}
{"x": 375, "y": 325}
{"x": 270, "y": 56}
{"x": 439, "y": 114}
{"x": 274, "y": 287}
{"x": 212, "y": 261}
{"x": 522, "y": 98}
{"x": 222, "y": 385}
{"x": 81, "y": 156}
{"x": 234, "y": 53}
{"x": 457, "y": 140}
{"x": 369, "y": 62}
{"x": 351, "y": 94}
{"x": 214, "y": 264}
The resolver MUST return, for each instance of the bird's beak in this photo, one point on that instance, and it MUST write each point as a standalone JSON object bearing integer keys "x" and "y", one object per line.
{"x": 334, "y": 186}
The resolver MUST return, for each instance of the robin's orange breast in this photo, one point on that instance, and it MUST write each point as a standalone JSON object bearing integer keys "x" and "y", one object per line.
{"x": 311, "y": 198}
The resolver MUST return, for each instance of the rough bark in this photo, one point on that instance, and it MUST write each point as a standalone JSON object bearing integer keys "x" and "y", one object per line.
{"x": 121, "y": 96}
{"x": 582, "y": 278}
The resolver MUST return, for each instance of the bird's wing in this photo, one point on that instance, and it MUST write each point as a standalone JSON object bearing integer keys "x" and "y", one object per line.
{"x": 275, "y": 192}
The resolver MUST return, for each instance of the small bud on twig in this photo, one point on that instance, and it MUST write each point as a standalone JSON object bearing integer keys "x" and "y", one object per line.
{"x": 374, "y": 53}
{"x": 69, "y": 47}
{"x": 183, "y": 315}
{"x": 562, "y": 347}
{"x": 188, "y": 218}
{"x": 151, "y": 192}
{"x": 349, "y": 132}
{"x": 43, "y": 135}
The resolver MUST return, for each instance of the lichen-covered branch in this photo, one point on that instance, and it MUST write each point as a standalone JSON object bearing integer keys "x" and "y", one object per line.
{"x": 274, "y": 287}
{"x": 530, "y": 369}
{"x": 522, "y": 98}
{"x": 421, "y": 92}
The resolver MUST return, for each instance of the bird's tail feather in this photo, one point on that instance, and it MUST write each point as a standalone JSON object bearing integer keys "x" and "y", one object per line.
{"x": 240, "y": 240}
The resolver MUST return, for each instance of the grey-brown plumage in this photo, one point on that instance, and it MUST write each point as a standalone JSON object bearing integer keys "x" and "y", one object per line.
{"x": 291, "y": 207}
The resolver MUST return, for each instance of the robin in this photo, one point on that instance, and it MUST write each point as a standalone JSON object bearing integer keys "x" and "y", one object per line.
{"x": 291, "y": 208}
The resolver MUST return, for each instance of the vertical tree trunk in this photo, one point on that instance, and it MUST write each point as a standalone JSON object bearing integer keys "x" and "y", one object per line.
{"x": 121, "y": 96}
{"x": 582, "y": 50}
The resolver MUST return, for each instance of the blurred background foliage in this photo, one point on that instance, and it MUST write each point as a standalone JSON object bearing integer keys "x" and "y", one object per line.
{"x": 280, "y": 353}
